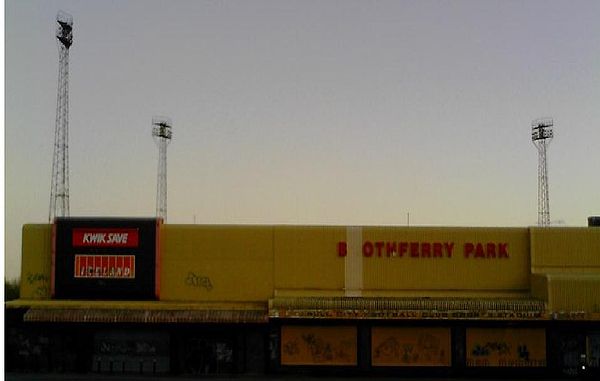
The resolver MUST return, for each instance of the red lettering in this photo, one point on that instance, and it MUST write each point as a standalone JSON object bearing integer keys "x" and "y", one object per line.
{"x": 437, "y": 249}
{"x": 379, "y": 246}
{"x": 104, "y": 266}
{"x": 403, "y": 248}
{"x": 342, "y": 249}
{"x": 390, "y": 248}
{"x": 491, "y": 250}
{"x": 469, "y": 247}
{"x": 479, "y": 251}
{"x": 503, "y": 250}
{"x": 367, "y": 249}
{"x": 425, "y": 249}
{"x": 105, "y": 237}
{"x": 414, "y": 249}
{"x": 449, "y": 248}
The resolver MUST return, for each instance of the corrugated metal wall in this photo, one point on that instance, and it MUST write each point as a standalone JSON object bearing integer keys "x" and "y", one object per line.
{"x": 36, "y": 261}
{"x": 574, "y": 292}
{"x": 565, "y": 250}
{"x": 216, "y": 263}
{"x": 256, "y": 263}
{"x": 306, "y": 259}
{"x": 444, "y": 273}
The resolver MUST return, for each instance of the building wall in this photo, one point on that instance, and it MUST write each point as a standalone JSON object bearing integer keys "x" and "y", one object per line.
{"x": 574, "y": 292}
{"x": 256, "y": 263}
{"x": 565, "y": 263}
{"x": 306, "y": 260}
{"x": 562, "y": 250}
{"x": 458, "y": 269}
{"x": 36, "y": 261}
{"x": 216, "y": 263}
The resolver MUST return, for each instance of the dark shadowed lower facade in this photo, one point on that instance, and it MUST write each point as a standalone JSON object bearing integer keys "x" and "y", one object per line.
{"x": 137, "y": 296}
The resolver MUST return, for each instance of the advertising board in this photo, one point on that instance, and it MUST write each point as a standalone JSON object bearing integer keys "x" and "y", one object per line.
{"x": 105, "y": 258}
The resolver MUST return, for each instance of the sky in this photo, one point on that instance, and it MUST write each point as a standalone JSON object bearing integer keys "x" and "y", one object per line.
{"x": 306, "y": 112}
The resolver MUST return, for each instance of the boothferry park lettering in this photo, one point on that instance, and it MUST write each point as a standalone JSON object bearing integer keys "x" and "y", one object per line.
{"x": 401, "y": 249}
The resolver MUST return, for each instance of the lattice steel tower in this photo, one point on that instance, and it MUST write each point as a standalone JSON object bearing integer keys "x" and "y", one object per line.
{"x": 541, "y": 135}
{"x": 161, "y": 131}
{"x": 59, "y": 192}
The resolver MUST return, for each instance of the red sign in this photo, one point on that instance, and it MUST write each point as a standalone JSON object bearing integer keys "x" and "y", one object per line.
{"x": 105, "y": 266}
{"x": 117, "y": 237}
{"x": 428, "y": 249}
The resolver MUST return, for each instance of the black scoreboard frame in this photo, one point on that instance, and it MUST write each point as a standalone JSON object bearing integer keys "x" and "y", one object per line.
{"x": 102, "y": 284}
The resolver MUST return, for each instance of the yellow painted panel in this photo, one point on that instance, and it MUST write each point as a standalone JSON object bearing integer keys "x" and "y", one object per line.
{"x": 574, "y": 292}
{"x": 212, "y": 263}
{"x": 306, "y": 257}
{"x": 414, "y": 346}
{"x": 539, "y": 286}
{"x": 302, "y": 345}
{"x": 36, "y": 262}
{"x": 447, "y": 259}
{"x": 565, "y": 248}
{"x": 216, "y": 280}
{"x": 506, "y": 347}
{"x": 191, "y": 242}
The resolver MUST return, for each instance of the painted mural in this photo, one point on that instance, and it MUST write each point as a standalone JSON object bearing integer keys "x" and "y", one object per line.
{"x": 500, "y": 347}
{"x": 418, "y": 346}
{"x": 302, "y": 345}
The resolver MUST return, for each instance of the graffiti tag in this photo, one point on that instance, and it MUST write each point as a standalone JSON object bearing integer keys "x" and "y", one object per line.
{"x": 41, "y": 284}
{"x": 199, "y": 281}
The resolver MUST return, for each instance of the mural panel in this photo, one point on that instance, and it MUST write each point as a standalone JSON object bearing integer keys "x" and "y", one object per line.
{"x": 303, "y": 345}
{"x": 506, "y": 347}
{"x": 419, "y": 346}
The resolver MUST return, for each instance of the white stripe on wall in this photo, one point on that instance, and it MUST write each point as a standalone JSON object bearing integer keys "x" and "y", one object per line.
{"x": 353, "y": 281}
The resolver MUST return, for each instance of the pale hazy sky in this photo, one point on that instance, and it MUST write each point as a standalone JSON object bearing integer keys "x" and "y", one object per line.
{"x": 307, "y": 112}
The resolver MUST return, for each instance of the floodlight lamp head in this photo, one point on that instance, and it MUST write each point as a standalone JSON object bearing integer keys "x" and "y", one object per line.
{"x": 161, "y": 128}
{"x": 541, "y": 129}
{"x": 64, "y": 30}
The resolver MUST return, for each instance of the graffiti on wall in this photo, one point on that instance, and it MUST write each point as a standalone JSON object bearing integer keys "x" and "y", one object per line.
{"x": 410, "y": 346}
{"x": 506, "y": 347}
{"x": 318, "y": 345}
{"x": 198, "y": 281}
{"x": 40, "y": 284}
{"x": 131, "y": 351}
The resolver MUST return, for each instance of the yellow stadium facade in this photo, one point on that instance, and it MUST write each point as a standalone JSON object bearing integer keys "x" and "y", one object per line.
{"x": 253, "y": 299}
